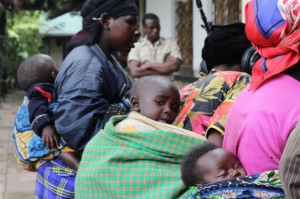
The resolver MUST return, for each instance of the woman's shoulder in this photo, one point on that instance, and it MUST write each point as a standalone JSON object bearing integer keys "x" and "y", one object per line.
{"x": 80, "y": 53}
{"x": 79, "y": 57}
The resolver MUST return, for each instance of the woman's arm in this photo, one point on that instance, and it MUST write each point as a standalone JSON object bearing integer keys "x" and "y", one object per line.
{"x": 85, "y": 89}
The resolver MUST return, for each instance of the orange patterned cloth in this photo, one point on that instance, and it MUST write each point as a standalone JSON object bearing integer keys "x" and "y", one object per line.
{"x": 207, "y": 101}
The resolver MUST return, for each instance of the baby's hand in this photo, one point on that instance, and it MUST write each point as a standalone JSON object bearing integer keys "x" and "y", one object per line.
{"x": 49, "y": 136}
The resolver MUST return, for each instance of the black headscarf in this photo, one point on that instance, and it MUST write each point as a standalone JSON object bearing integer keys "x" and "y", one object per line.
{"x": 225, "y": 44}
{"x": 95, "y": 8}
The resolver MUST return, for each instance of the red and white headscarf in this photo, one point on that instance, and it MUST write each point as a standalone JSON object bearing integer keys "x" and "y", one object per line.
{"x": 273, "y": 28}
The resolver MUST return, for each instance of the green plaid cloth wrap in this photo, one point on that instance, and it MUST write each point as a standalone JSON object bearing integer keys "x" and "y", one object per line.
{"x": 133, "y": 165}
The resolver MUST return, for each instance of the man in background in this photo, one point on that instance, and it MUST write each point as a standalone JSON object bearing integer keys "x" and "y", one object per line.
{"x": 153, "y": 55}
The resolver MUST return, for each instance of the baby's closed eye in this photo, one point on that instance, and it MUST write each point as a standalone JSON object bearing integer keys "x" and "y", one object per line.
{"x": 221, "y": 174}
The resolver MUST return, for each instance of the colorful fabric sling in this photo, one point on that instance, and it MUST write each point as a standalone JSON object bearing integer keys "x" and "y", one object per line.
{"x": 277, "y": 33}
{"x": 29, "y": 150}
{"x": 207, "y": 101}
{"x": 134, "y": 157}
{"x": 264, "y": 185}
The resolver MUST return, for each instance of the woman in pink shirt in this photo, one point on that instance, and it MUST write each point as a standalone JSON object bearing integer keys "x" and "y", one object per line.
{"x": 265, "y": 112}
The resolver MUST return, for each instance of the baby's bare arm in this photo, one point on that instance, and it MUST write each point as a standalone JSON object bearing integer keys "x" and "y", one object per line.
{"x": 50, "y": 137}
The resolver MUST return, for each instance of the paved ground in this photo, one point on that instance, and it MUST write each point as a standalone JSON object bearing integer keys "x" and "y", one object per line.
{"x": 15, "y": 182}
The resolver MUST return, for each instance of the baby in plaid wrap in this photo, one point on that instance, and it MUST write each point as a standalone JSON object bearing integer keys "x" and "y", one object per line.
{"x": 138, "y": 155}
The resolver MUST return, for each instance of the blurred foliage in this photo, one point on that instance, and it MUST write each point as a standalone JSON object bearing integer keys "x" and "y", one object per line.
{"x": 22, "y": 40}
{"x": 54, "y": 8}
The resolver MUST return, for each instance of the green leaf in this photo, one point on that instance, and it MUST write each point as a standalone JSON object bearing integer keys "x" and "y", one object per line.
{"x": 271, "y": 174}
{"x": 22, "y": 39}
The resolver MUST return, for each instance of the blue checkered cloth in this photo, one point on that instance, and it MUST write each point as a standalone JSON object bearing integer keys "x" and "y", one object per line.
{"x": 55, "y": 181}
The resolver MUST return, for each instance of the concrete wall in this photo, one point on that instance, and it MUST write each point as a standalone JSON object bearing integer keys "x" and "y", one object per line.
{"x": 56, "y": 51}
{"x": 243, "y": 5}
{"x": 199, "y": 33}
{"x": 55, "y": 47}
{"x": 166, "y": 11}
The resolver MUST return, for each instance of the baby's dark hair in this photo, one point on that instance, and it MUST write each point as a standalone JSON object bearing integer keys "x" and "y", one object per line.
{"x": 190, "y": 175}
{"x": 35, "y": 69}
{"x": 140, "y": 85}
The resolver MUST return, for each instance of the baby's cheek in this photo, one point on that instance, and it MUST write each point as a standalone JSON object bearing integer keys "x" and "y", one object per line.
{"x": 243, "y": 172}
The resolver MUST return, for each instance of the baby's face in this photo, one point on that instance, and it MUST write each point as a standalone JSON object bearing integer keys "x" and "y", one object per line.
{"x": 219, "y": 164}
{"x": 160, "y": 103}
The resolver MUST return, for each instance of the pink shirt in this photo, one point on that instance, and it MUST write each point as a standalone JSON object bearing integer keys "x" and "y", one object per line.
{"x": 260, "y": 122}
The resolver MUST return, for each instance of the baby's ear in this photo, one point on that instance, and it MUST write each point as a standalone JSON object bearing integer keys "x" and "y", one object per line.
{"x": 54, "y": 74}
{"x": 135, "y": 104}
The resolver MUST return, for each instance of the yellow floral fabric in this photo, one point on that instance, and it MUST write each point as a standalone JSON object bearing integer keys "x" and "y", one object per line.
{"x": 207, "y": 101}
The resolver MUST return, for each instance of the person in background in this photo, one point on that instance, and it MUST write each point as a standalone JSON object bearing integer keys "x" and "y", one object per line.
{"x": 207, "y": 101}
{"x": 91, "y": 86}
{"x": 266, "y": 111}
{"x": 153, "y": 54}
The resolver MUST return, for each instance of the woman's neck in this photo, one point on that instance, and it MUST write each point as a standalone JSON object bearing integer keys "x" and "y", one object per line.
{"x": 106, "y": 53}
{"x": 228, "y": 67}
{"x": 105, "y": 48}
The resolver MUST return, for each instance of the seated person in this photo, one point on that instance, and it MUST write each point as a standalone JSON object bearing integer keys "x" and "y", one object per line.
{"x": 153, "y": 54}
{"x": 36, "y": 75}
{"x": 214, "y": 172}
{"x": 141, "y": 147}
{"x": 209, "y": 163}
{"x": 207, "y": 101}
